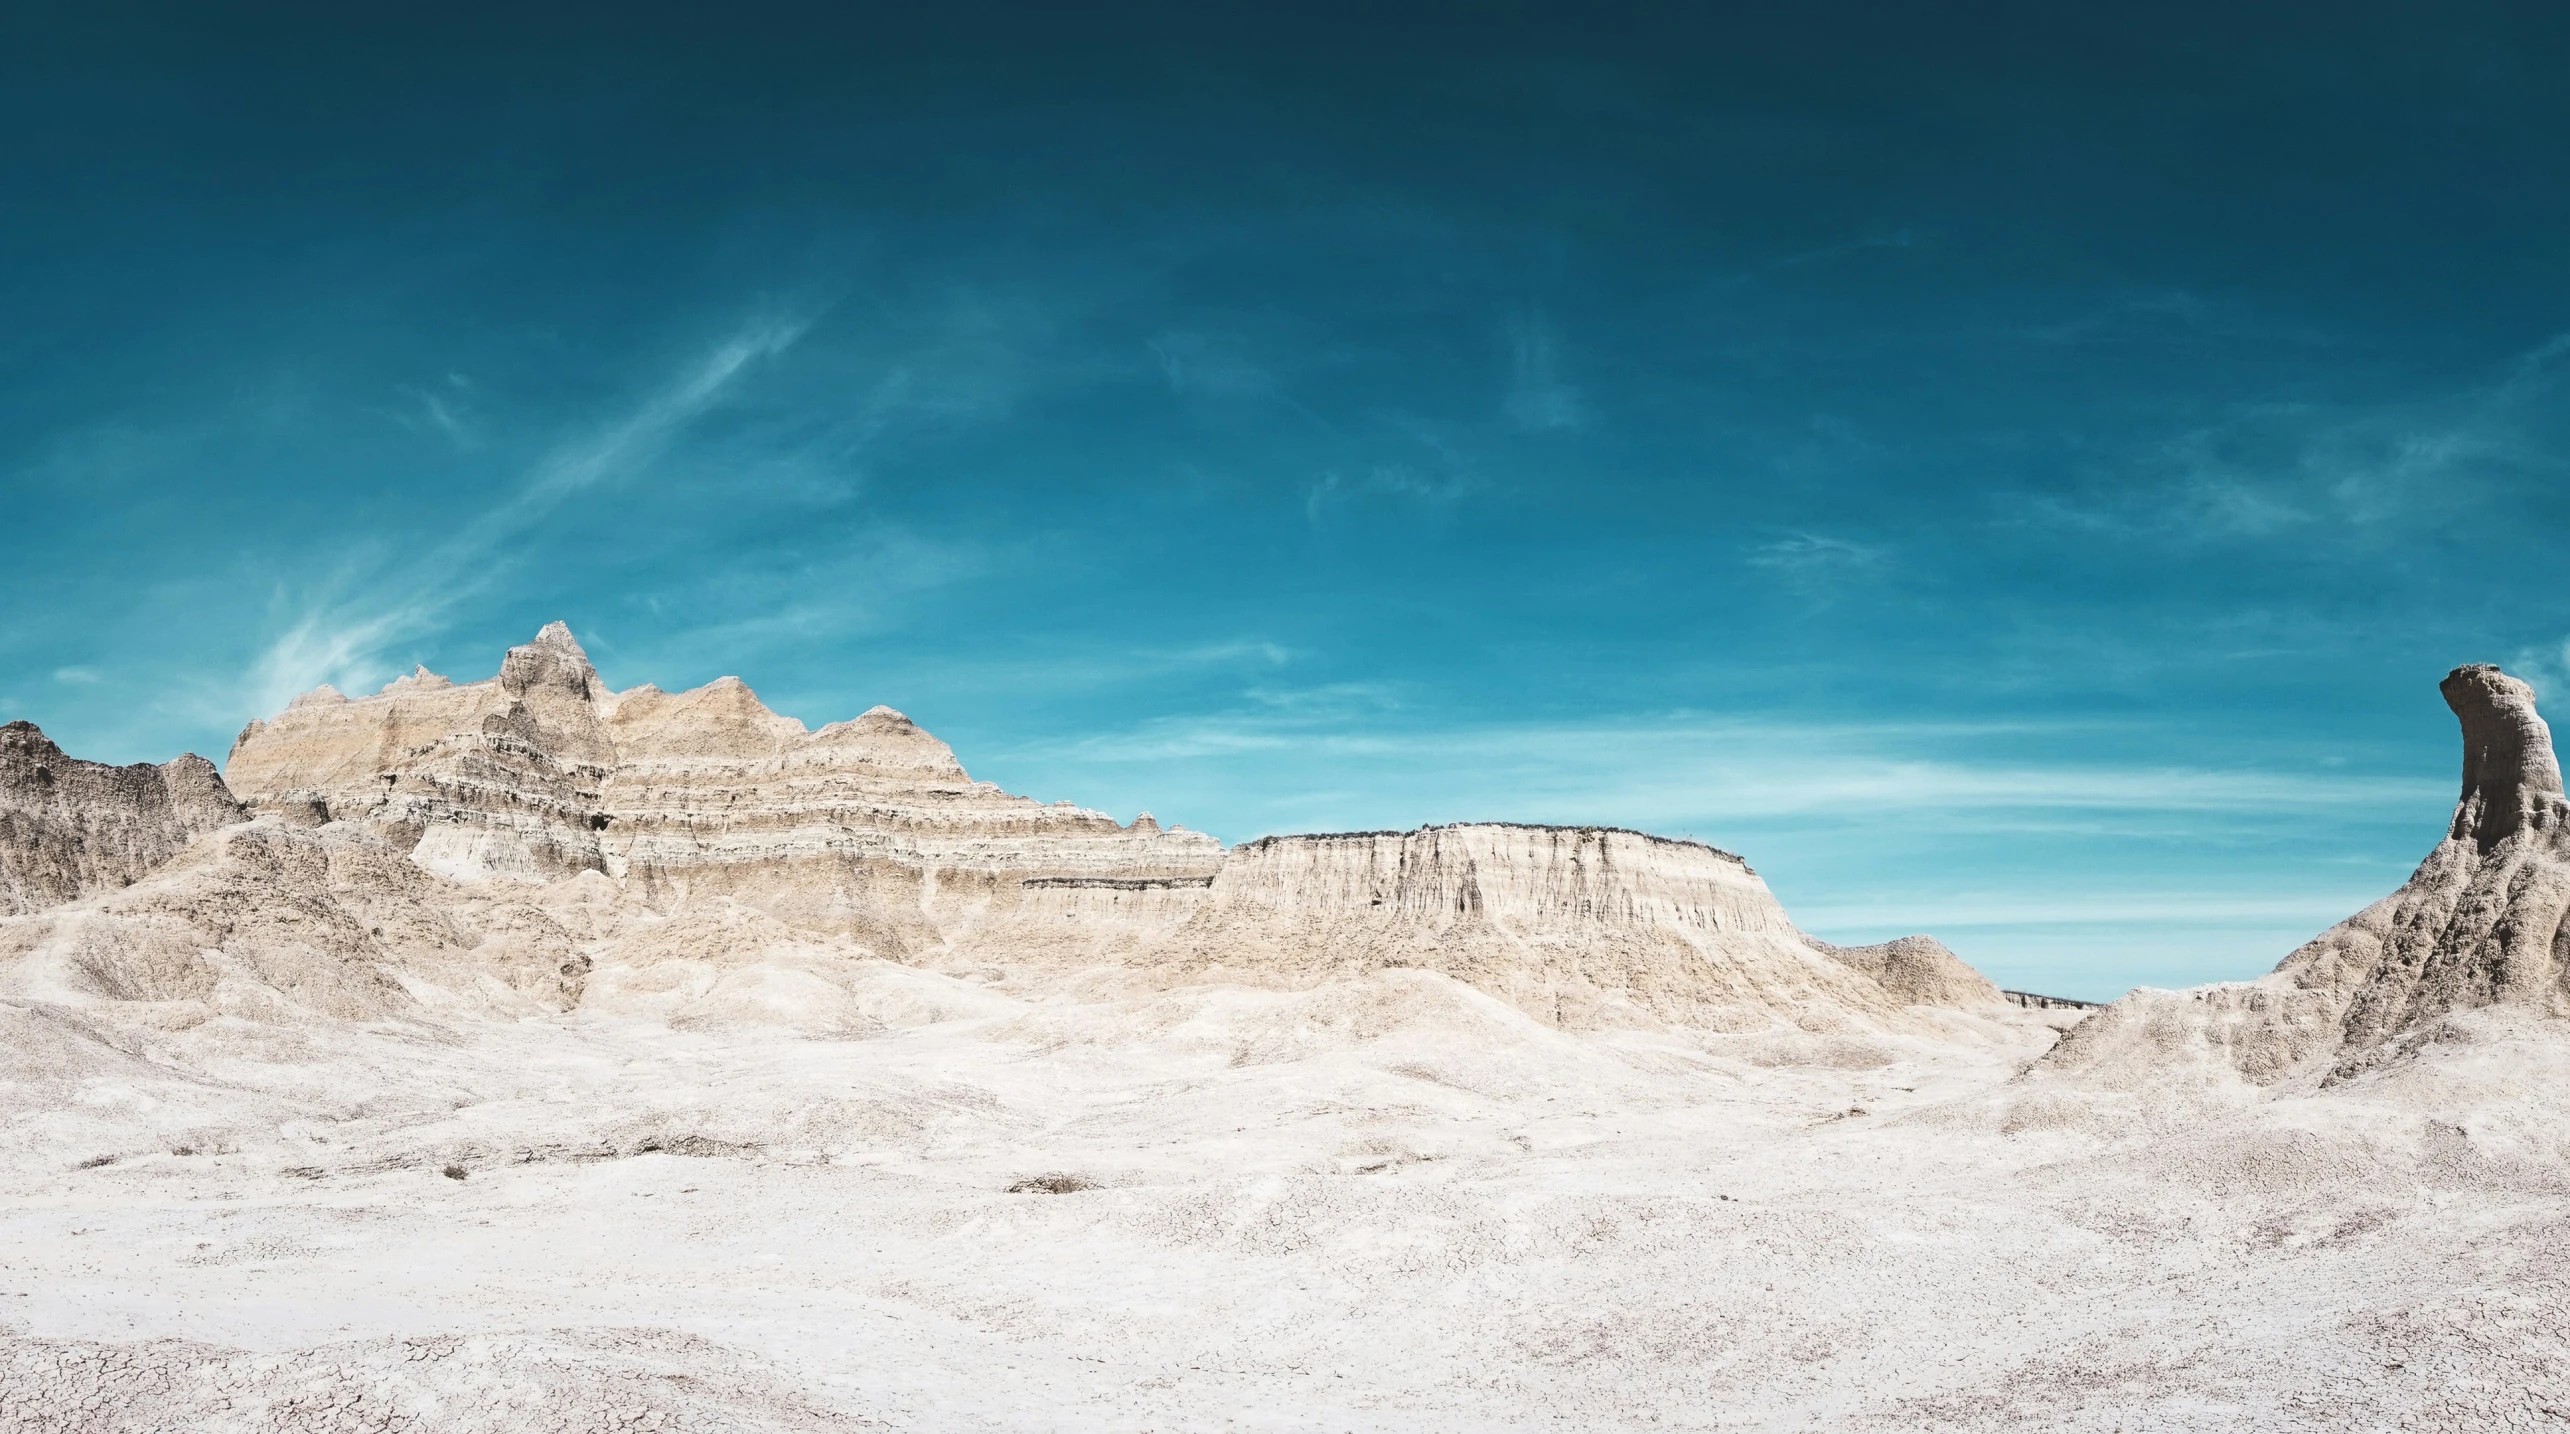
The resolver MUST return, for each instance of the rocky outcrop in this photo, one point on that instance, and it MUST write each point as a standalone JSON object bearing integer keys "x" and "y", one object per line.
{"x": 1919, "y": 971}
{"x": 266, "y": 920}
{"x": 868, "y": 833}
{"x": 867, "y": 828}
{"x": 2478, "y": 926}
{"x": 70, "y": 828}
{"x": 1579, "y": 926}
{"x": 480, "y": 779}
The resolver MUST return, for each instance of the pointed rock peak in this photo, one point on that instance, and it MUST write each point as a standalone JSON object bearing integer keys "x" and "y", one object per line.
{"x": 2511, "y": 780}
{"x": 1144, "y": 823}
{"x": 321, "y": 696}
{"x": 735, "y": 701}
{"x": 891, "y": 739}
{"x": 554, "y": 660}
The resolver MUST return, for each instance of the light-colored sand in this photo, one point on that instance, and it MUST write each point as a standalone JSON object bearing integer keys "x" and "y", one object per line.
{"x": 1386, "y": 1204}
{"x": 525, "y": 1066}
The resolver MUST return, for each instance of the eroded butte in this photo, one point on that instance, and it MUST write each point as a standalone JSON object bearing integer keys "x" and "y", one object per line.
{"x": 525, "y": 1055}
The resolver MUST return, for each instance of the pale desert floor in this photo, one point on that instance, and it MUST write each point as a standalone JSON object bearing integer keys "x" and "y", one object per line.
{"x": 1388, "y": 1205}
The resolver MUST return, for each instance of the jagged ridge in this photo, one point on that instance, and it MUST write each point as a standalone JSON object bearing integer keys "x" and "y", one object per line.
{"x": 69, "y": 828}
{"x": 523, "y": 799}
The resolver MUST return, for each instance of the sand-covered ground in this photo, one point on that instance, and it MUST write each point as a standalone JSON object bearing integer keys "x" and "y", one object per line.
{"x": 1387, "y": 1204}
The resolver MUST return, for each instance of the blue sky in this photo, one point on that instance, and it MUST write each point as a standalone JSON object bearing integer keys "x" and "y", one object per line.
{"x": 2011, "y": 474}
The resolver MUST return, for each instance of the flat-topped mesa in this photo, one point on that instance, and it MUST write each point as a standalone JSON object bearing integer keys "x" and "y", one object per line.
{"x": 1580, "y": 926}
{"x": 70, "y": 828}
{"x": 2479, "y": 924}
{"x": 868, "y": 826}
{"x": 1534, "y": 876}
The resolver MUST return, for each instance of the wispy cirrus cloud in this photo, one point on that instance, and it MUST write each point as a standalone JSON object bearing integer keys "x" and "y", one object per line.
{"x": 1816, "y": 553}
{"x": 442, "y": 408}
{"x": 1684, "y": 771}
{"x": 2273, "y": 469}
{"x": 1539, "y": 400}
{"x": 341, "y": 639}
{"x": 2164, "y": 909}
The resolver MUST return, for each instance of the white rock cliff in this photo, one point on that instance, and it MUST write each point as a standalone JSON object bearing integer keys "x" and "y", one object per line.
{"x": 870, "y": 832}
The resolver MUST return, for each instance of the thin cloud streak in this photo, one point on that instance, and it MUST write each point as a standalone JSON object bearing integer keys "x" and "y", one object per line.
{"x": 339, "y": 641}
{"x": 2269, "y": 469}
{"x": 1735, "y": 771}
{"x": 2157, "y": 910}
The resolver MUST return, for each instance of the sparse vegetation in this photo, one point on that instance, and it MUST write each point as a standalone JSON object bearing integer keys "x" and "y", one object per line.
{"x": 1052, "y": 1185}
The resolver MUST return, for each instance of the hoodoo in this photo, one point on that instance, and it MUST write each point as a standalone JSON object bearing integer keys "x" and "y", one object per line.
{"x": 2478, "y": 925}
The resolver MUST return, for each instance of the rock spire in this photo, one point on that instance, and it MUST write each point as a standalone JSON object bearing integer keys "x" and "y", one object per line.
{"x": 2479, "y": 925}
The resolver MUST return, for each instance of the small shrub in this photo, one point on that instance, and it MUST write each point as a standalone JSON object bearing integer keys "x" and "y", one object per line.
{"x": 1051, "y": 1185}
{"x": 453, "y": 1172}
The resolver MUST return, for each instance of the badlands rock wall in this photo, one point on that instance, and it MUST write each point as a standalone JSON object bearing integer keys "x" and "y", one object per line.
{"x": 868, "y": 828}
{"x": 2478, "y": 926}
{"x": 69, "y": 828}
{"x": 1579, "y": 926}
{"x": 267, "y": 921}
{"x": 474, "y": 779}
{"x": 537, "y": 838}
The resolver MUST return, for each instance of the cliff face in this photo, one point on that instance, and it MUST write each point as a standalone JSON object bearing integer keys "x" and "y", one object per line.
{"x": 70, "y": 828}
{"x": 870, "y": 830}
{"x": 1579, "y": 926}
{"x": 2479, "y": 925}
{"x": 869, "y": 827}
{"x": 475, "y": 779}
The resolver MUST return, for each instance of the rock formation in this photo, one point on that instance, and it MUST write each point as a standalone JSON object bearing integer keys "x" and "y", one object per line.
{"x": 2479, "y": 925}
{"x": 505, "y": 839}
{"x": 868, "y": 827}
{"x": 69, "y": 828}
{"x": 1579, "y": 926}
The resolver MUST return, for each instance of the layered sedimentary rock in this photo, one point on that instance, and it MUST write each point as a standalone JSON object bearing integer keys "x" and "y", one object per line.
{"x": 870, "y": 832}
{"x": 868, "y": 827}
{"x": 475, "y": 779}
{"x": 2479, "y": 925}
{"x": 1580, "y": 926}
{"x": 264, "y": 919}
{"x": 69, "y": 828}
